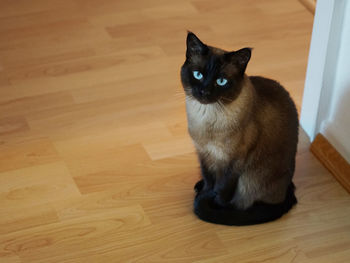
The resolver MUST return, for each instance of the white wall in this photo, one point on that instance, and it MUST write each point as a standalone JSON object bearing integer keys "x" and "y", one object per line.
{"x": 326, "y": 102}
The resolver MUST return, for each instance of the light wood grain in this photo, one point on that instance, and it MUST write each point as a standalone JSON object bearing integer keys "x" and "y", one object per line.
{"x": 96, "y": 164}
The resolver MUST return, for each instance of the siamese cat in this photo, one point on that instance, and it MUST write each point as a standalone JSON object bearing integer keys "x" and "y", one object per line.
{"x": 245, "y": 131}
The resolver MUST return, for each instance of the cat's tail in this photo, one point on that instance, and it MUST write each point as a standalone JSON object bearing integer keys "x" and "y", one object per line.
{"x": 206, "y": 209}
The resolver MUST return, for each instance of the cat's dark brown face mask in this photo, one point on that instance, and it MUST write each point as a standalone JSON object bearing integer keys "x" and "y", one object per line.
{"x": 210, "y": 74}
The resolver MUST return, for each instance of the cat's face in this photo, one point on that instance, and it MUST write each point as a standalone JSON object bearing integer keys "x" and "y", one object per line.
{"x": 210, "y": 74}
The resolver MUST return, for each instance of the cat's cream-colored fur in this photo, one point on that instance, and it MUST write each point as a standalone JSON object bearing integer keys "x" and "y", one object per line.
{"x": 209, "y": 125}
{"x": 225, "y": 132}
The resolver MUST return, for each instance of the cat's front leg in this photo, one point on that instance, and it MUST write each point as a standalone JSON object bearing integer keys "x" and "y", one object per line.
{"x": 199, "y": 186}
{"x": 208, "y": 181}
{"x": 225, "y": 187}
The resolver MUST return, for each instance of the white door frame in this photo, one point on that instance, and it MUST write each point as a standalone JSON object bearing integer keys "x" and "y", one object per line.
{"x": 322, "y": 63}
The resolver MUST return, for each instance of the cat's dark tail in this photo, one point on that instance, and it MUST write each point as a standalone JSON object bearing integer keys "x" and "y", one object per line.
{"x": 206, "y": 209}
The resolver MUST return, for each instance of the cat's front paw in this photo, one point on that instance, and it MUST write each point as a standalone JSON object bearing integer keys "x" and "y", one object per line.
{"x": 199, "y": 186}
{"x": 220, "y": 201}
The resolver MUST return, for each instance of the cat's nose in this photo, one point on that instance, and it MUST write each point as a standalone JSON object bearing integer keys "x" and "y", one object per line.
{"x": 204, "y": 92}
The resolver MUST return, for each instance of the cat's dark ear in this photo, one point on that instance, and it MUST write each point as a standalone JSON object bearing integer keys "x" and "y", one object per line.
{"x": 240, "y": 58}
{"x": 195, "y": 46}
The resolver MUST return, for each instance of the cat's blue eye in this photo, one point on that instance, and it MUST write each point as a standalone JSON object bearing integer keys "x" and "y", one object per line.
{"x": 197, "y": 75}
{"x": 221, "y": 81}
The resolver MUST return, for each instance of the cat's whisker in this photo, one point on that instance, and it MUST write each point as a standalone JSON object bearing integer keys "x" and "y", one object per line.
{"x": 218, "y": 107}
{"x": 222, "y": 107}
{"x": 179, "y": 96}
{"x": 225, "y": 99}
{"x": 177, "y": 93}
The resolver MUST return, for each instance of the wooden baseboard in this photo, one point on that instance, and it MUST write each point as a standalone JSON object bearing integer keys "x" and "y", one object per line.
{"x": 332, "y": 160}
{"x": 310, "y": 5}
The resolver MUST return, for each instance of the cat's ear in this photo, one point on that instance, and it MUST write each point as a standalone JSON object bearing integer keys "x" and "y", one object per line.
{"x": 240, "y": 58}
{"x": 195, "y": 46}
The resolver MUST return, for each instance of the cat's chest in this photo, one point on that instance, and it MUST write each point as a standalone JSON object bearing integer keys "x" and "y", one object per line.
{"x": 210, "y": 130}
{"x": 205, "y": 119}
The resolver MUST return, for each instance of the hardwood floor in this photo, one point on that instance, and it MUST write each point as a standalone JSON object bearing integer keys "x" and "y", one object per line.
{"x": 95, "y": 161}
